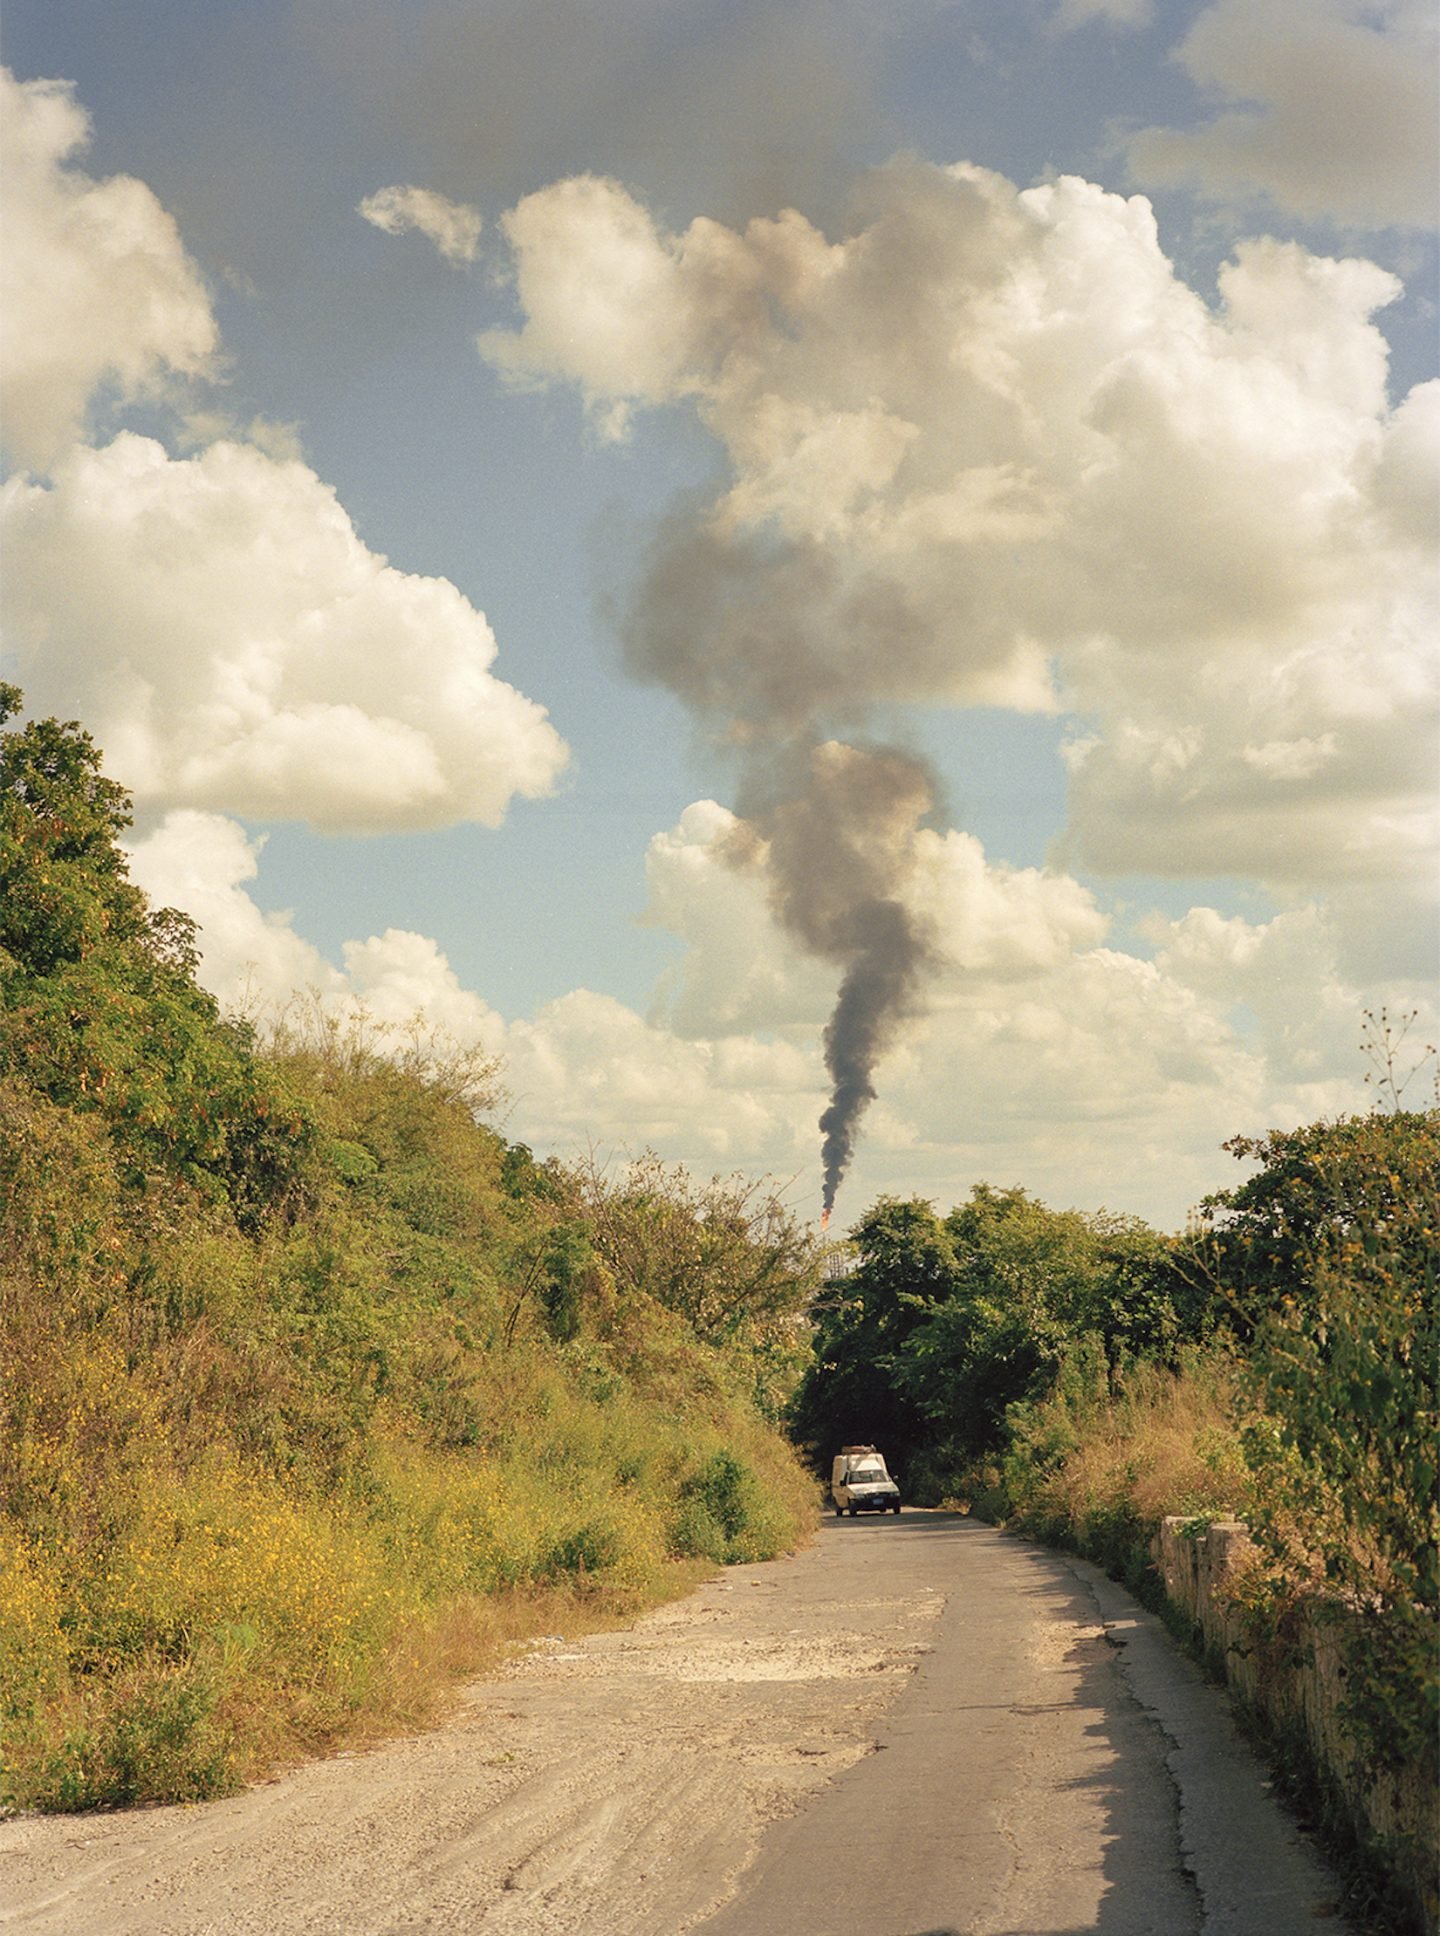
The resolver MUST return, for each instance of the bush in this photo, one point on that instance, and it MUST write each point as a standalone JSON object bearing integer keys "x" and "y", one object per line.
{"x": 155, "y": 1739}
{"x": 946, "y": 1322}
{"x": 1097, "y": 1463}
{"x": 1334, "y": 1246}
{"x": 723, "y": 1514}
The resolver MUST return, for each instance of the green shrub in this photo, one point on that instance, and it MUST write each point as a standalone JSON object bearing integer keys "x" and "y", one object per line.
{"x": 696, "y": 1534}
{"x": 723, "y": 1513}
{"x": 1333, "y": 1245}
{"x": 587, "y": 1552}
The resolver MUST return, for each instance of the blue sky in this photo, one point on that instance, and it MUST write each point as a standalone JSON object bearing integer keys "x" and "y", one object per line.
{"x": 1179, "y": 743}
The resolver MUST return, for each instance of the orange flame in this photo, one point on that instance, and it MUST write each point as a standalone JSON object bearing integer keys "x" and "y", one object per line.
{"x": 824, "y": 1219}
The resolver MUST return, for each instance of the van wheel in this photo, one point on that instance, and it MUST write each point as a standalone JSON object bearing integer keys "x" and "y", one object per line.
{"x": 854, "y": 1512}
{"x": 896, "y": 1510}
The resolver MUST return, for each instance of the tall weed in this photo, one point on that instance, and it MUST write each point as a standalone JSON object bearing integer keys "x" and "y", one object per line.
{"x": 1099, "y": 1461}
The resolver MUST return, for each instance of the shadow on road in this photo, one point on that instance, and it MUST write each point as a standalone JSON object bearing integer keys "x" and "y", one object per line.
{"x": 1146, "y": 1884}
{"x": 1017, "y": 1788}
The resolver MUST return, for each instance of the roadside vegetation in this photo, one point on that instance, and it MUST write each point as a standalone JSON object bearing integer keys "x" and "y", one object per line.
{"x": 317, "y": 1390}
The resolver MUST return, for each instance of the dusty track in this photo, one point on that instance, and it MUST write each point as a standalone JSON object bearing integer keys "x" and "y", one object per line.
{"x": 614, "y": 1785}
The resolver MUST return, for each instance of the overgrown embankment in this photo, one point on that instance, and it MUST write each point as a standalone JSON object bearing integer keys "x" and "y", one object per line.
{"x": 1082, "y": 1379}
{"x": 315, "y": 1388}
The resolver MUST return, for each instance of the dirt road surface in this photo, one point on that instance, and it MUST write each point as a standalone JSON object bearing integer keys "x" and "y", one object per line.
{"x": 917, "y": 1727}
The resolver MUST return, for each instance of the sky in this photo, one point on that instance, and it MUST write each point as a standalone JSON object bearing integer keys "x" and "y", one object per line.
{"x": 758, "y": 559}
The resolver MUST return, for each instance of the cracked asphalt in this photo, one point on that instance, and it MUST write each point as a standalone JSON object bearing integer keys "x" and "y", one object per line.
{"x": 1054, "y": 1766}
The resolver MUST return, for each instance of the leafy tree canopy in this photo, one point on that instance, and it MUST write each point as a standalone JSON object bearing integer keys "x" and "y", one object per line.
{"x": 906, "y": 1266}
{"x": 1317, "y": 1190}
{"x": 1326, "y": 1260}
{"x": 946, "y": 1321}
{"x": 725, "y": 1253}
{"x": 101, "y": 1009}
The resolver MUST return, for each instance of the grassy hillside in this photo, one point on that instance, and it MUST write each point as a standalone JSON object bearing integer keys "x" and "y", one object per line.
{"x": 315, "y": 1387}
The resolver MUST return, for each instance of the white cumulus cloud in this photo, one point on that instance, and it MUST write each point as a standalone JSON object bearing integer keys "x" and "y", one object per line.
{"x": 215, "y": 619}
{"x": 204, "y": 864}
{"x": 234, "y": 645}
{"x": 985, "y": 921}
{"x": 1330, "y": 110}
{"x": 255, "y": 962}
{"x": 584, "y": 1070}
{"x": 454, "y": 227}
{"x": 989, "y": 448}
{"x": 588, "y": 1069}
{"x": 95, "y": 285}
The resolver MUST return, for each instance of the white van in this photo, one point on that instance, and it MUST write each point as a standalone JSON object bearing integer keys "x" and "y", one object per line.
{"x": 860, "y": 1483}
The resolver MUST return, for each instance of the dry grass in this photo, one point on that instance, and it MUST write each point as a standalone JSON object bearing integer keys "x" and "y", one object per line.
{"x": 173, "y": 1625}
{"x": 266, "y": 1490}
{"x": 1167, "y": 1444}
{"x": 229, "y": 1630}
{"x": 1098, "y": 1469}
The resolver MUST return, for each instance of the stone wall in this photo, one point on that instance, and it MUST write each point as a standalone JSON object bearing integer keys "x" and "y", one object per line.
{"x": 1295, "y": 1681}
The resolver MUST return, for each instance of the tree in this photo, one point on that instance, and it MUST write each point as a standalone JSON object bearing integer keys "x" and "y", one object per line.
{"x": 1316, "y": 1188}
{"x": 946, "y": 1322}
{"x": 1327, "y": 1257}
{"x": 1030, "y": 1282}
{"x": 907, "y": 1267}
{"x": 101, "y": 1009}
{"x": 63, "y": 885}
{"x": 725, "y": 1254}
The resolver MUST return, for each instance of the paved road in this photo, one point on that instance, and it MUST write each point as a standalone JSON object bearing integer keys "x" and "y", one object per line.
{"x": 1054, "y": 1766}
{"x": 916, "y": 1727}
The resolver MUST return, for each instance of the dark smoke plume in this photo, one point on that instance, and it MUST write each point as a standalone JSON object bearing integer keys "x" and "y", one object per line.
{"x": 772, "y": 647}
{"x": 840, "y": 845}
{"x": 877, "y": 991}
